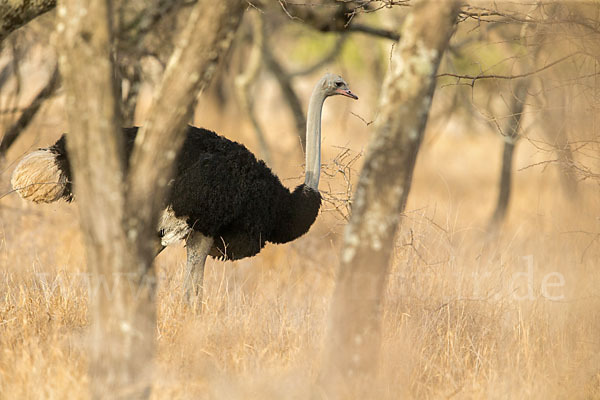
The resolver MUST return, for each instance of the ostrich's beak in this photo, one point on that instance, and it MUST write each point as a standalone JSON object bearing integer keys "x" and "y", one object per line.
{"x": 347, "y": 93}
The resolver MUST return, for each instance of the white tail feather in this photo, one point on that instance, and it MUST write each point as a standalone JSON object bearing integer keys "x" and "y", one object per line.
{"x": 38, "y": 178}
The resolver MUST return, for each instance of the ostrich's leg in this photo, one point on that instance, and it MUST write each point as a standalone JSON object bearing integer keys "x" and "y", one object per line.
{"x": 198, "y": 247}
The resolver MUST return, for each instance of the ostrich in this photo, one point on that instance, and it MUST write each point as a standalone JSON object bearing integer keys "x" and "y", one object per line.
{"x": 223, "y": 201}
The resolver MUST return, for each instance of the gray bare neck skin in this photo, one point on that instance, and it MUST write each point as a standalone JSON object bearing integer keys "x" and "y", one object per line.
{"x": 313, "y": 137}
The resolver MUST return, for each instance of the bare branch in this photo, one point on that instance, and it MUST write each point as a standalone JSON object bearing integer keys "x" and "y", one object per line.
{"x": 373, "y": 31}
{"x": 29, "y": 112}
{"x": 367, "y": 123}
{"x": 289, "y": 94}
{"x": 505, "y": 17}
{"x": 339, "y": 16}
{"x": 16, "y": 13}
{"x": 245, "y": 79}
{"x": 149, "y": 17}
{"x": 474, "y": 78}
{"x": 340, "y": 199}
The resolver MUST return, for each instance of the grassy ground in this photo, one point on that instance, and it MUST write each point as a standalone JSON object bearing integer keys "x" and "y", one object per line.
{"x": 467, "y": 315}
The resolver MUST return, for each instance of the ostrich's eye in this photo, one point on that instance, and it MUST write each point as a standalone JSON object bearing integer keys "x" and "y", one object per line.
{"x": 339, "y": 84}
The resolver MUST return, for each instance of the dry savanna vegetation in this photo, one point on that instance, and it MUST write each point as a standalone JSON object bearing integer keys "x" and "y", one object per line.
{"x": 472, "y": 309}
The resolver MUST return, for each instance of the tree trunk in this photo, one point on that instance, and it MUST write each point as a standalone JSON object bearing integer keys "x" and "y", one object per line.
{"x": 244, "y": 80}
{"x": 510, "y": 140}
{"x": 354, "y": 332}
{"x": 118, "y": 220}
{"x": 556, "y": 129}
{"x": 122, "y": 317}
{"x": 285, "y": 84}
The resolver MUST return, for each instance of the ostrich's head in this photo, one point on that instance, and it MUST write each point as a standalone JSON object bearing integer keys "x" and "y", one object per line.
{"x": 334, "y": 84}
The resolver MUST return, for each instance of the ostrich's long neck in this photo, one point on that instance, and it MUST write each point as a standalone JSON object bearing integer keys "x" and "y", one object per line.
{"x": 313, "y": 138}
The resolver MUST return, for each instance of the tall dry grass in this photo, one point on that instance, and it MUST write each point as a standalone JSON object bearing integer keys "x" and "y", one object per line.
{"x": 467, "y": 314}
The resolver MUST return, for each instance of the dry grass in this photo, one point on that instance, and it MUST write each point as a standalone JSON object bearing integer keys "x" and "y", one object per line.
{"x": 459, "y": 320}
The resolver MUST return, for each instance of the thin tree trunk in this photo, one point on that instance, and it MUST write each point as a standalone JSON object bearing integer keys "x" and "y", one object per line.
{"x": 245, "y": 79}
{"x": 510, "y": 140}
{"x": 504, "y": 185}
{"x": 556, "y": 130}
{"x": 285, "y": 84}
{"x": 354, "y": 332}
{"x": 29, "y": 113}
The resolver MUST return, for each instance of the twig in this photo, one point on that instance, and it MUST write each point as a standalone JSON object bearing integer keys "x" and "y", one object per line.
{"x": 342, "y": 165}
{"x": 283, "y": 4}
{"x": 474, "y": 78}
{"x": 367, "y": 123}
{"x": 485, "y": 12}
{"x": 542, "y": 163}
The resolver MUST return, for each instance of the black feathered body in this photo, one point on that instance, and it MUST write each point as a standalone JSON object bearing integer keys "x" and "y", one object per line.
{"x": 224, "y": 192}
